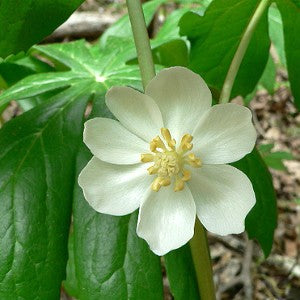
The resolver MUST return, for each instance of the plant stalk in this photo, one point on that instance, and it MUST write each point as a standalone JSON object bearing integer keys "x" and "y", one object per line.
{"x": 141, "y": 40}
{"x": 241, "y": 50}
{"x": 202, "y": 263}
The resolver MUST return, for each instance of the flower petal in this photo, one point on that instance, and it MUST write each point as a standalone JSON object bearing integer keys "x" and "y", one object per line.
{"x": 114, "y": 189}
{"x": 167, "y": 219}
{"x": 182, "y": 97}
{"x": 136, "y": 111}
{"x": 223, "y": 196}
{"x": 224, "y": 134}
{"x": 110, "y": 141}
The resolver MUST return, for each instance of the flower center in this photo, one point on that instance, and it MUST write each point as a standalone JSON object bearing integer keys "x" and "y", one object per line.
{"x": 169, "y": 161}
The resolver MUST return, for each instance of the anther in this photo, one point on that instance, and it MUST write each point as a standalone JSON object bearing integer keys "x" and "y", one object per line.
{"x": 179, "y": 184}
{"x": 159, "y": 143}
{"x": 167, "y": 136}
{"x": 148, "y": 157}
{"x": 185, "y": 144}
{"x": 153, "y": 146}
{"x": 186, "y": 175}
{"x": 159, "y": 182}
{"x": 152, "y": 170}
{"x": 194, "y": 161}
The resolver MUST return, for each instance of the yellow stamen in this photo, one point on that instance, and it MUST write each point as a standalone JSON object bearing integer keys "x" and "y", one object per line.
{"x": 186, "y": 175}
{"x": 148, "y": 157}
{"x": 159, "y": 182}
{"x": 179, "y": 185}
{"x": 156, "y": 184}
{"x": 153, "y": 146}
{"x": 169, "y": 162}
{"x": 167, "y": 136}
{"x": 185, "y": 144}
{"x": 194, "y": 161}
{"x": 159, "y": 143}
{"x": 152, "y": 170}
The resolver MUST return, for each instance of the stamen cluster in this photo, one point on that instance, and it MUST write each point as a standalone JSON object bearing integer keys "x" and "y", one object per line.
{"x": 169, "y": 161}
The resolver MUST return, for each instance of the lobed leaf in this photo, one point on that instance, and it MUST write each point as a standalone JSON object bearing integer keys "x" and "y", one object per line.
{"x": 38, "y": 151}
{"x": 215, "y": 38}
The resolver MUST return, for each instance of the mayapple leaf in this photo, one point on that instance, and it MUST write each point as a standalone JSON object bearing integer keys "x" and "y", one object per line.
{"x": 290, "y": 13}
{"x": 181, "y": 274}
{"x": 108, "y": 260}
{"x": 38, "y": 152}
{"x": 98, "y": 68}
{"x": 268, "y": 78}
{"x": 24, "y": 23}
{"x": 215, "y": 38}
{"x": 262, "y": 219}
{"x": 122, "y": 27}
{"x": 37, "y": 164}
{"x": 276, "y": 32}
{"x": 17, "y": 67}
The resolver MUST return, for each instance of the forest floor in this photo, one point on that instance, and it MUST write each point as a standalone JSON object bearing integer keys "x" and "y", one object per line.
{"x": 241, "y": 272}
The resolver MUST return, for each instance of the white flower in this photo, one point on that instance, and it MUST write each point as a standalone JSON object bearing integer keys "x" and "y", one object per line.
{"x": 147, "y": 160}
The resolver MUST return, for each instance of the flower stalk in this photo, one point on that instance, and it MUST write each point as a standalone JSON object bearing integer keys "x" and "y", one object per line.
{"x": 241, "y": 50}
{"x": 141, "y": 40}
{"x": 199, "y": 244}
{"x": 202, "y": 262}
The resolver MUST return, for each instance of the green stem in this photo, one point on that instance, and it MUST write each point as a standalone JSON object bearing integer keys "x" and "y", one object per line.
{"x": 141, "y": 40}
{"x": 202, "y": 262}
{"x": 241, "y": 50}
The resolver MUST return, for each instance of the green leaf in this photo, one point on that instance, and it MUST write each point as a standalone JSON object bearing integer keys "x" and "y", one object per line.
{"x": 214, "y": 40}
{"x": 274, "y": 159}
{"x": 274, "y": 162}
{"x": 70, "y": 284}
{"x": 42, "y": 155}
{"x": 181, "y": 274}
{"x": 170, "y": 29}
{"x": 276, "y": 32}
{"x": 265, "y": 148}
{"x": 25, "y": 23}
{"x": 122, "y": 27}
{"x": 173, "y": 53}
{"x": 168, "y": 49}
{"x": 14, "y": 70}
{"x": 38, "y": 151}
{"x": 262, "y": 219}
{"x": 98, "y": 68}
{"x": 268, "y": 78}
{"x": 109, "y": 260}
{"x": 290, "y": 13}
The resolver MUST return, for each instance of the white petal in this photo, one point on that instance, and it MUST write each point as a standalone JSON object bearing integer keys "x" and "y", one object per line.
{"x": 167, "y": 219}
{"x": 223, "y": 196}
{"x": 136, "y": 111}
{"x": 224, "y": 134}
{"x": 182, "y": 97}
{"x": 114, "y": 189}
{"x": 110, "y": 141}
